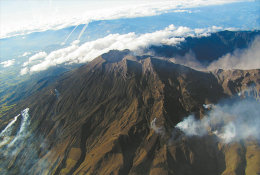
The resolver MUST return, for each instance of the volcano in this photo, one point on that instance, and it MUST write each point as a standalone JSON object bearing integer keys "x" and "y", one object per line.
{"x": 116, "y": 115}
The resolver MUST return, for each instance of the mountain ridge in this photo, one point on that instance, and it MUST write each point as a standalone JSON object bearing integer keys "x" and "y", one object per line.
{"x": 207, "y": 49}
{"x": 115, "y": 116}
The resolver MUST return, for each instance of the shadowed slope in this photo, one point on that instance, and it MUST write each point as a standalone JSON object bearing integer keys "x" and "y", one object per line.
{"x": 115, "y": 116}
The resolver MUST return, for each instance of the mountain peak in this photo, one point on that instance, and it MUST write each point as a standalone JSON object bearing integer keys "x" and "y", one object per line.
{"x": 115, "y": 55}
{"x": 115, "y": 116}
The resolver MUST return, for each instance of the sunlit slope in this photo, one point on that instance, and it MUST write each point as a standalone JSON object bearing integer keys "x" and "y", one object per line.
{"x": 117, "y": 114}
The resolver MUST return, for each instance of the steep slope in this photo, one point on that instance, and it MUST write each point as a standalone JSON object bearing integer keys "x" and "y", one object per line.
{"x": 15, "y": 91}
{"x": 116, "y": 114}
{"x": 243, "y": 83}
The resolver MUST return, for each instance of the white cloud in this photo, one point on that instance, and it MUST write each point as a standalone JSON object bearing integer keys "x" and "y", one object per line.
{"x": 90, "y": 50}
{"x": 24, "y": 71}
{"x": 26, "y": 63}
{"x": 37, "y": 56}
{"x": 30, "y": 16}
{"x": 8, "y": 63}
{"x": 216, "y": 28}
{"x": 182, "y": 11}
{"x": 26, "y": 54}
{"x": 76, "y": 53}
{"x": 199, "y": 31}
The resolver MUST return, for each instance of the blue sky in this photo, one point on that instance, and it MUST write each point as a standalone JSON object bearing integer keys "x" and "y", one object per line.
{"x": 24, "y": 16}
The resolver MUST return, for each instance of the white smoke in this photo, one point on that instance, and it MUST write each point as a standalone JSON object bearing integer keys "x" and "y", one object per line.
{"x": 158, "y": 130}
{"x": 192, "y": 127}
{"x": 57, "y": 93}
{"x": 208, "y": 106}
{"x": 231, "y": 122}
{"x": 229, "y": 132}
{"x": 22, "y": 133}
{"x": 240, "y": 59}
{"x": 189, "y": 59}
{"x": 10, "y": 146}
{"x": 244, "y": 59}
{"x": 6, "y": 133}
{"x": 24, "y": 144}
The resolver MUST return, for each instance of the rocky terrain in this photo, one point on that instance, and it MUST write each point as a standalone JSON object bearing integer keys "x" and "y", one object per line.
{"x": 117, "y": 115}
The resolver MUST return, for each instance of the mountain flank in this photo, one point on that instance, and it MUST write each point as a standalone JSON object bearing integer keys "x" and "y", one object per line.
{"x": 116, "y": 115}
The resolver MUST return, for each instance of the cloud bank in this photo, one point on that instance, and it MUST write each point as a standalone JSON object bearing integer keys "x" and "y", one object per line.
{"x": 27, "y": 17}
{"x": 229, "y": 122}
{"x": 76, "y": 53}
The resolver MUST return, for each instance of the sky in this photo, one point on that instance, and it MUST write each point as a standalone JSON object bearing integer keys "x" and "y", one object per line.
{"x": 25, "y": 16}
{"x": 38, "y": 34}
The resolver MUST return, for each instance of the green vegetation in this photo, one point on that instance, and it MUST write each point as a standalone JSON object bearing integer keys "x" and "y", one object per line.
{"x": 4, "y": 108}
{"x": 8, "y": 80}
